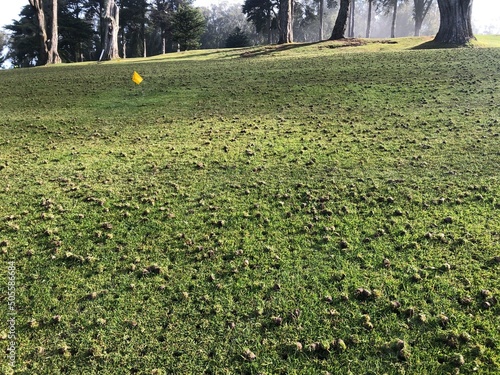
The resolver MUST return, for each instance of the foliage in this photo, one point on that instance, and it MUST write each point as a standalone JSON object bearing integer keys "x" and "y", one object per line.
{"x": 221, "y": 21}
{"x": 188, "y": 25}
{"x": 24, "y": 42}
{"x": 261, "y": 13}
{"x": 133, "y": 22}
{"x": 237, "y": 39}
{"x": 75, "y": 35}
{"x": 316, "y": 208}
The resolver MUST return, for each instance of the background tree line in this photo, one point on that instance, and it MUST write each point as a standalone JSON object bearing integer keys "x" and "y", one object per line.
{"x": 49, "y": 31}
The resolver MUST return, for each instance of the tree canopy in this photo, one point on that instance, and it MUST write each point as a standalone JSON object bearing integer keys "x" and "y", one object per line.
{"x": 188, "y": 25}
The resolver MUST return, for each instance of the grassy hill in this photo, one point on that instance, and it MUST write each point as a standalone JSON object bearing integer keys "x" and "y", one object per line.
{"x": 309, "y": 209}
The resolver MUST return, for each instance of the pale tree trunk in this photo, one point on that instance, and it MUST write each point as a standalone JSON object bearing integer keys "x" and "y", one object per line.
{"x": 341, "y": 21}
{"x": 111, "y": 20}
{"x": 351, "y": 19}
{"x": 369, "y": 21}
{"x": 40, "y": 14}
{"x": 143, "y": 32}
{"x": 54, "y": 57}
{"x": 321, "y": 11}
{"x": 455, "y": 22}
{"x": 163, "y": 43}
{"x": 394, "y": 16}
{"x": 286, "y": 22}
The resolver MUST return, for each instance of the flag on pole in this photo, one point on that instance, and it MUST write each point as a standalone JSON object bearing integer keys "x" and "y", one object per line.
{"x": 136, "y": 77}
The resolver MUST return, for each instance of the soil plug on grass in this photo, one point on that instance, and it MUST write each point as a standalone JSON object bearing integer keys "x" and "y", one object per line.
{"x": 339, "y": 345}
{"x": 363, "y": 294}
{"x": 457, "y": 360}
{"x": 395, "y": 305}
{"x": 248, "y": 355}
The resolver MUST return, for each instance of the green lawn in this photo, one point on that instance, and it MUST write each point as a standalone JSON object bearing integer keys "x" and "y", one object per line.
{"x": 311, "y": 209}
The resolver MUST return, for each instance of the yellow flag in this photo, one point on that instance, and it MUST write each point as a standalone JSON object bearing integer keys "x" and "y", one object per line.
{"x": 136, "y": 77}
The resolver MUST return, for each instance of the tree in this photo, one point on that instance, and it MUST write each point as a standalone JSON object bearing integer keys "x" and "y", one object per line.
{"x": 221, "y": 21}
{"x": 48, "y": 47}
{"x": 392, "y": 5}
{"x": 369, "y": 18}
{"x": 133, "y": 27}
{"x": 286, "y": 22}
{"x": 420, "y": 9}
{"x": 321, "y": 14}
{"x": 111, "y": 23}
{"x": 341, "y": 21}
{"x": 161, "y": 17}
{"x": 263, "y": 14}
{"x": 75, "y": 32}
{"x": 455, "y": 22}
{"x": 42, "y": 30}
{"x": 24, "y": 43}
{"x": 3, "y": 44}
{"x": 350, "y": 21}
{"x": 237, "y": 39}
{"x": 188, "y": 25}
{"x": 54, "y": 57}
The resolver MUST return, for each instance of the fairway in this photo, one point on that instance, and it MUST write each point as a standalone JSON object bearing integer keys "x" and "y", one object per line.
{"x": 309, "y": 209}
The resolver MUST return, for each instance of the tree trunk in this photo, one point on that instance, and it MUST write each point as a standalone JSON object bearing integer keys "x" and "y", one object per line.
{"x": 420, "y": 10}
{"x": 40, "y": 14}
{"x": 111, "y": 20}
{"x": 341, "y": 21}
{"x": 351, "y": 19}
{"x": 269, "y": 31}
{"x": 418, "y": 25}
{"x": 369, "y": 21}
{"x": 321, "y": 11}
{"x": 286, "y": 22}
{"x": 145, "y": 48}
{"x": 455, "y": 22}
{"x": 54, "y": 57}
{"x": 394, "y": 16}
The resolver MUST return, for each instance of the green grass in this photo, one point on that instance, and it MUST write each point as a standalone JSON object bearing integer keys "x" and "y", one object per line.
{"x": 336, "y": 197}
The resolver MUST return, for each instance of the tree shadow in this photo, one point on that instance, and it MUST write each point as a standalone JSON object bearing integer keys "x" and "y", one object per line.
{"x": 431, "y": 44}
{"x": 276, "y": 48}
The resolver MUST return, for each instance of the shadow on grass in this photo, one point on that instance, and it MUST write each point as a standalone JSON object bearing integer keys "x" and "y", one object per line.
{"x": 431, "y": 44}
{"x": 271, "y": 49}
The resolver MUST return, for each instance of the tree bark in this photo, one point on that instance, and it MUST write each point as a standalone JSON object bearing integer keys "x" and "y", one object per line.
{"x": 351, "y": 19}
{"x": 369, "y": 21}
{"x": 111, "y": 20}
{"x": 321, "y": 11}
{"x": 42, "y": 29}
{"x": 286, "y": 22}
{"x": 341, "y": 21}
{"x": 455, "y": 22}
{"x": 394, "y": 16}
{"x": 124, "y": 45}
{"x": 53, "y": 57}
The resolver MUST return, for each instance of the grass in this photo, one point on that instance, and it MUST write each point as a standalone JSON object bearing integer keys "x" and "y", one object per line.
{"x": 302, "y": 211}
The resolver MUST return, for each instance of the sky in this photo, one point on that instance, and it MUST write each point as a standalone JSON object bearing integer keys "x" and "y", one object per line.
{"x": 485, "y": 13}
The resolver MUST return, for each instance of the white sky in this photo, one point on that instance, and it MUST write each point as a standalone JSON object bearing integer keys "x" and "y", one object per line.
{"x": 485, "y": 13}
